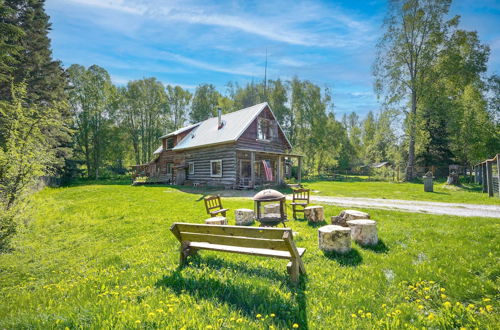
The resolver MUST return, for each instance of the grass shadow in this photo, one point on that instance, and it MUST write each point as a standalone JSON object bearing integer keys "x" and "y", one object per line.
{"x": 349, "y": 259}
{"x": 317, "y": 224}
{"x": 380, "y": 247}
{"x": 216, "y": 263}
{"x": 248, "y": 299}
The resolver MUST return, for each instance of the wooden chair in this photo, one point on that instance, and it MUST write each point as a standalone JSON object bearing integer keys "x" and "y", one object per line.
{"x": 257, "y": 241}
{"x": 213, "y": 205}
{"x": 300, "y": 201}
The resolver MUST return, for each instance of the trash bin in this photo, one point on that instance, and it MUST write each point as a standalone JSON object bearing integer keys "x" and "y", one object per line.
{"x": 428, "y": 184}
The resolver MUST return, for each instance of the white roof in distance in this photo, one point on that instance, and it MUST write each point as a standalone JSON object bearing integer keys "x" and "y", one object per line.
{"x": 207, "y": 132}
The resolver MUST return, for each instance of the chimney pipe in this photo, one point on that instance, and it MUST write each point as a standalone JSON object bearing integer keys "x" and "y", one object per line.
{"x": 219, "y": 114}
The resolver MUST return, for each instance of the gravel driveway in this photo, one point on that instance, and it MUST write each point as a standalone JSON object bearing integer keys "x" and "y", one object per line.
{"x": 463, "y": 210}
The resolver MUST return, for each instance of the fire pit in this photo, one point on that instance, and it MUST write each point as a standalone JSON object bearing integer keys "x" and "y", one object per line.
{"x": 270, "y": 219}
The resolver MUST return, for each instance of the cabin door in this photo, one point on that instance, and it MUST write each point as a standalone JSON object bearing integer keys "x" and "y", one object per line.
{"x": 245, "y": 172}
{"x": 180, "y": 176}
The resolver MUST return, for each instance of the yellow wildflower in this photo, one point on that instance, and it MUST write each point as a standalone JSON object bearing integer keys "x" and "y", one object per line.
{"x": 159, "y": 310}
{"x": 354, "y": 315}
{"x": 442, "y": 289}
{"x": 273, "y": 315}
{"x": 398, "y": 311}
{"x": 489, "y": 308}
{"x": 208, "y": 327}
{"x": 368, "y": 315}
{"x": 239, "y": 320}
{"x": 137, "y": 321}
{"x": 486, "y": 299}
{"x": 426, "y": 288}
{"x": 471, "y": 306}
{"x": 407, "y": 298}
{"x": 431, "y": 316}
{"x": 295, "y": 325}
{"x": 432, "y": 282}
{"x": 360, "y": 311}
{"x": 420, "y": 307}
{"x": 427, "y": 297}
{"x": 151, "y": 314}
{"x": 384, "y": 305}
{"x": 443, "y": 296}
{"x": 481, "y": 310}
{"x": 418, "y": 300}
{"x": 258, "y": 316}
{"x": 447, "y": 304}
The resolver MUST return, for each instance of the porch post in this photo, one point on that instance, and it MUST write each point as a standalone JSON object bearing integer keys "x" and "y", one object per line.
{"x": 484, "y": 179}
{"x": 299, "y": 174}
{"x": 252, "y": 169}
{"x": 278, "y": 174}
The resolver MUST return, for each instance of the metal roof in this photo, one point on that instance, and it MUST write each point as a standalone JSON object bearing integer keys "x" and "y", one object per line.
{"x": 207, "y": 132}
{"x": 179, "y": 131}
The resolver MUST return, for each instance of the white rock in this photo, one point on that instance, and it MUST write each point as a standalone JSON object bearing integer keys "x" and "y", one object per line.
{"x": 216, "y": 221}
{"x": 244, "y": 217}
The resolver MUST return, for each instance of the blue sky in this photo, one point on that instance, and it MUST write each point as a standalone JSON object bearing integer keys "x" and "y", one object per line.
{"x": 331, "y": 43}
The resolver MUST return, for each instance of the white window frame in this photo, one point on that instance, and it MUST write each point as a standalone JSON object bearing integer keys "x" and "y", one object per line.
{"x": 169, "y": 166}
{"x": 211, "y": 173}
{"x": 191, "y": 168}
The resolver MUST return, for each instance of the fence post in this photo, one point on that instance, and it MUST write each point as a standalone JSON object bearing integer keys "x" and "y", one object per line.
{"x": 498, "y": 170}
{"x": 489, "y": 178}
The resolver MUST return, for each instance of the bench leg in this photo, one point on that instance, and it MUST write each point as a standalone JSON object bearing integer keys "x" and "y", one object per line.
{"x": 184, "y": 253}
{"x": 293, "y": 270}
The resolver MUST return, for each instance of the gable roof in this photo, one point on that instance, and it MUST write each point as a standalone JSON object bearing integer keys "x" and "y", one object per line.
{"x": 235, "y": 124}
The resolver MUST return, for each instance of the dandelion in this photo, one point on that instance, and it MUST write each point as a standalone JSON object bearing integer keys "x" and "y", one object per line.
{"x": 407, "y": 298}
{"x": 447, "y": 304}
{"x": 151, "y": 314}
{"x": 442, "y": 289}
{"x": 431, "y": 316}
{"x": 481, "y": 310}
{"x": 427, "y": 297}
{"x": 232, "y": 319}
{"x": 418, "y": 300}
{"x": 384, "y": 305}
{"x": 431, "y": 282}
{"x": 295, "y": 325}
{"x": 443, "y": 296}
{"x": 368, "y": 315}
{"x": 273, "y": 315}
{"x": 138, "y": 322}
{"x": 239, "y": 320}
{"x": 208, "y": 327}
{"x": 159, "y": 310}
{"x": 360, "y": 311}
{"x": 258, "y": 316}
{"x": 486, "y": 299}
{"x": 471, "y": 306}
{"x": 420, "y": 307}
{"x": 354, "y": 316}
{"x": 398, "y": 311}
{"x": 170, "y": 310}
{"x": 489, "y": 308}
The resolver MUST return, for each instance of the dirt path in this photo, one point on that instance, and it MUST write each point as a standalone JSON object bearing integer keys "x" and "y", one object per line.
{"x": 463, "y": 210}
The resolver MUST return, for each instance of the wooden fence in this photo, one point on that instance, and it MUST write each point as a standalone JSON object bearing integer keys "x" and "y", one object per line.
{"x": 487, "y": 173}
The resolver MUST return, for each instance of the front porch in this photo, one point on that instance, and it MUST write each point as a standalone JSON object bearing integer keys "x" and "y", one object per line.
{"x": 261, "y": 168}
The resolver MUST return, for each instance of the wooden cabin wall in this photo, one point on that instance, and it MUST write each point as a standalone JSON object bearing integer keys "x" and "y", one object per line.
{"x": 248, "y": 140}
{"x": 202, "y": 157}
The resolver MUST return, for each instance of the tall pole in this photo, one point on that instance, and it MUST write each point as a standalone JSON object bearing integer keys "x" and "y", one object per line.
{"x": 265, "y": 78}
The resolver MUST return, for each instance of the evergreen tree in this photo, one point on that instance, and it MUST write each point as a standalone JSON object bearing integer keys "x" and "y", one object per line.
{"x": 205, "y": 102}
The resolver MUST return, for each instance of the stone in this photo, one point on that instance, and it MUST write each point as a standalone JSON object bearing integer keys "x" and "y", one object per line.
{"x": 216, "y": 221}
{"x": 346, "y": 215}
{"x": 271, "y": 208}
{"x": 364, "y": 231}
{"x": 244, "y": 217}
{"x": 428, "y": 184}
{"x": 314, "y": 213}
{"x": 334, "y": 238}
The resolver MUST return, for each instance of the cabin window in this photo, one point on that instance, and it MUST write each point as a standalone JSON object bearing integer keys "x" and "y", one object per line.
{"x": 265, "y": 129}
{"x": 169, "y": 168}
{"x": 170, "y": 143}
{"x": 191, "y": 167}
{"x": 216, "y": 168}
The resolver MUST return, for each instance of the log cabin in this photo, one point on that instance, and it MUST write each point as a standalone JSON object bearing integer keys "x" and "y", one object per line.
{"x": 242, "y": 149}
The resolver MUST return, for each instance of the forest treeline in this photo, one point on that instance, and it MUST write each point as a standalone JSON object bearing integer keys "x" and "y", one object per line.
{"x": 438, "y": 106}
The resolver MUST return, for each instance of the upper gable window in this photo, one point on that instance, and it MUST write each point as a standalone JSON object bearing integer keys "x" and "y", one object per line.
{"x": 265, "y": 129}
{"x": 170, "y": 143}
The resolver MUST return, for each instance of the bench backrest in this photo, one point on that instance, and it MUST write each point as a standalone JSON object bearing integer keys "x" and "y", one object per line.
{"x": 250, "y": 237}
{"x": 213, "y": 202}
{"x": 301, "y": 195}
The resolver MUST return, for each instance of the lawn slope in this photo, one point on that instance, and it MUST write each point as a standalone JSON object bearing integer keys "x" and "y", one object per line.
{"x": 101, "y": 256}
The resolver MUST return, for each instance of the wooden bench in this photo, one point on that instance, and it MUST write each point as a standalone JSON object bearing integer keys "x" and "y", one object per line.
{"x": 258, "y": 241}
{"x": 213, "y": 204}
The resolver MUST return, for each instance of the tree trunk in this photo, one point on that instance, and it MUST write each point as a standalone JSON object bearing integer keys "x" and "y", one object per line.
{"x": 410, "y": 173}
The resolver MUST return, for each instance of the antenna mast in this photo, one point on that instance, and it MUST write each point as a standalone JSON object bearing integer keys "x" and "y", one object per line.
{"x": 265, "y": 78}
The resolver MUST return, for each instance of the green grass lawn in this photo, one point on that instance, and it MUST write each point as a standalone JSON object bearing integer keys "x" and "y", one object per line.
{"x": 468, "y": 193}
{"x": 102, "y": 256}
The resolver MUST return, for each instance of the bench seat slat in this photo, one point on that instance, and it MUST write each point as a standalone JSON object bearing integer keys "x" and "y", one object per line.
{"x": 239, "y": 241}
{"x": 226, "y": 230}
{"x": 245, "y": 250}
